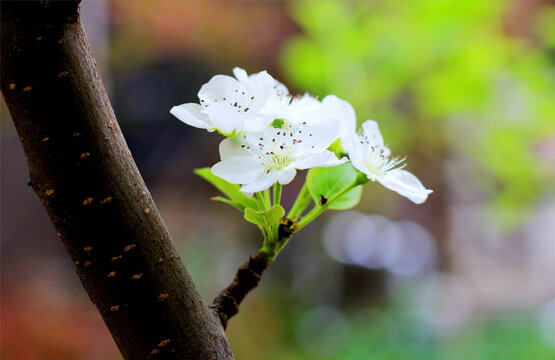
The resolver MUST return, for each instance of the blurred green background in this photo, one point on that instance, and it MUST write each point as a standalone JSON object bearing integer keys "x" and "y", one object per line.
{"x": 464, "y": 89}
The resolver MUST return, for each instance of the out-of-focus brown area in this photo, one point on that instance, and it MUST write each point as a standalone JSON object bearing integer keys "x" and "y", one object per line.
{"x": 446, "y": 280}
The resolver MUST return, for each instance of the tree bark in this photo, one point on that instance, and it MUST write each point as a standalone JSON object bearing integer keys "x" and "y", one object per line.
{"x": 85, "y": 176}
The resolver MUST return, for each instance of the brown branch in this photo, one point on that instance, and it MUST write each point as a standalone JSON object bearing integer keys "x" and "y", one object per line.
{"x": 85, "y": 176}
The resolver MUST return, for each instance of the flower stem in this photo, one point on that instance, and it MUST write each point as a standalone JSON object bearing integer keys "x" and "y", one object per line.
{"x": 261, "y": 201}
{"x": 277, "y": 193}
{"x": 267, "y": 201}
{"x": 303, "y": 199}
{"x": 318, "y": 209}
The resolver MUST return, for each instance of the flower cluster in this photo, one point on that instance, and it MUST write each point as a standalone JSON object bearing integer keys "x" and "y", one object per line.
{"x": 271, "y": 134}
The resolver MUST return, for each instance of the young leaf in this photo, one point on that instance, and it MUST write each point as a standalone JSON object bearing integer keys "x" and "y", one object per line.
{"x": 323, "y": 183}
{"x": 265, "y": 218}
{"x": 235, "y": 204}
{"x": 230, "y": 190}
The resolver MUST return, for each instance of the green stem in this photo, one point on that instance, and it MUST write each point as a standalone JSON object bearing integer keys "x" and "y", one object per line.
{"x": 277, "y": 193}
{"x": 267, "y": 198}
{"x": 261, "y": 201}
{"x": 302, "y": 201}
{"x": 318, "y": 209}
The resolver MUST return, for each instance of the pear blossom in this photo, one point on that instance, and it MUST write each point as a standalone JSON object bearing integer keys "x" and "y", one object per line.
{"x": 232, "y": 105}
{"x": 294, "y": 108}
{"x": 369, "y": 155}
{"x": 259, "y": 160}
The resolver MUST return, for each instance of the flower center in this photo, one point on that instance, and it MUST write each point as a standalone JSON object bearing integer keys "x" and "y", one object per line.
{"x": 278, "y": 147}
{"x": 377, "y": 160}
{"x": 277, "y": 159}
{"x": 378, "y": 164}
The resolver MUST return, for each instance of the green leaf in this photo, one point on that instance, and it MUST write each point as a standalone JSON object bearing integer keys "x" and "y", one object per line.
{"x": 265, "y": 218}
{"x": 235, "y": 204}
{"x": 323, "y": 183}
{"x": 229, "y": 190}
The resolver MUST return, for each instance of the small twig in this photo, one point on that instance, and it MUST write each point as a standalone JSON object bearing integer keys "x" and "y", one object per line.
{"x": 249, "y": 274}
{"x": 247, "y": 277}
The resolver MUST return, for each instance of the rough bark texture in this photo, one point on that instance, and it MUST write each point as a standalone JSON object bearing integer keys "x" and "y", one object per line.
{"x": 83, "y": 172}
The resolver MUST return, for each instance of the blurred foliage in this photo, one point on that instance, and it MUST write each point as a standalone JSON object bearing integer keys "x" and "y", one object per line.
{"x": 443, "y": 79}
{"x": 391, "y": 333}
{"x": 216, "y": 32}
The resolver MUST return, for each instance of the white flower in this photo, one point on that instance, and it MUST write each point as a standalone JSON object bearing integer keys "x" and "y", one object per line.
{"x": 231, "y": 105}
{"x": 259, "y": 160}
{"x": 369, "y": 155}
{"x": 293, "y": 108}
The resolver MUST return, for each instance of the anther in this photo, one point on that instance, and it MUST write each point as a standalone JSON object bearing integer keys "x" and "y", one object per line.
{"x": 114, "y": 308}
{"x": 111, "y": 274}
{"x": 88, "y": 201}
{"x": 87, "y": 263}
{"x": 87, "y": 248}
{"x": 163, "y": 297}
{"x": 27, "y": 88}
{"x": 49, "y": 192}
{"x": 12, "y": 86}
{"x": 45, "y": 139}
{"x": 63, "y": 74}
{"x": 84, "y": 155}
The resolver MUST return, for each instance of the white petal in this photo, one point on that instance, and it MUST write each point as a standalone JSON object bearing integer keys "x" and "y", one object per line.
{"x": 287, "y": 175}
{"x": 239, "y": 169}
{"x": 225, "y": 117}
{"x": 280, "y": 89}
{"x": 372, "y": 132}
{"x": 355, "y": 155}
{"x": 241, "y": 75}
{"x": 306, "y": 103}
{"x": 231, "y": 146}
{"x": 219, "y": 87}
{"x": 406, "y": 184}
{"x": 264, "y": 182}
{"x": 322, "y": 159}
{"x": 344, "y": 113}
{"x": 191, "y": 114}
{"x": 318, "y": 137}
{"x": 257, "y": 90}
{"x": 257, "y": 123}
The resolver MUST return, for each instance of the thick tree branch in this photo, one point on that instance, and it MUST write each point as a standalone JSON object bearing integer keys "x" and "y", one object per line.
{"x": 83, "y": 172}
